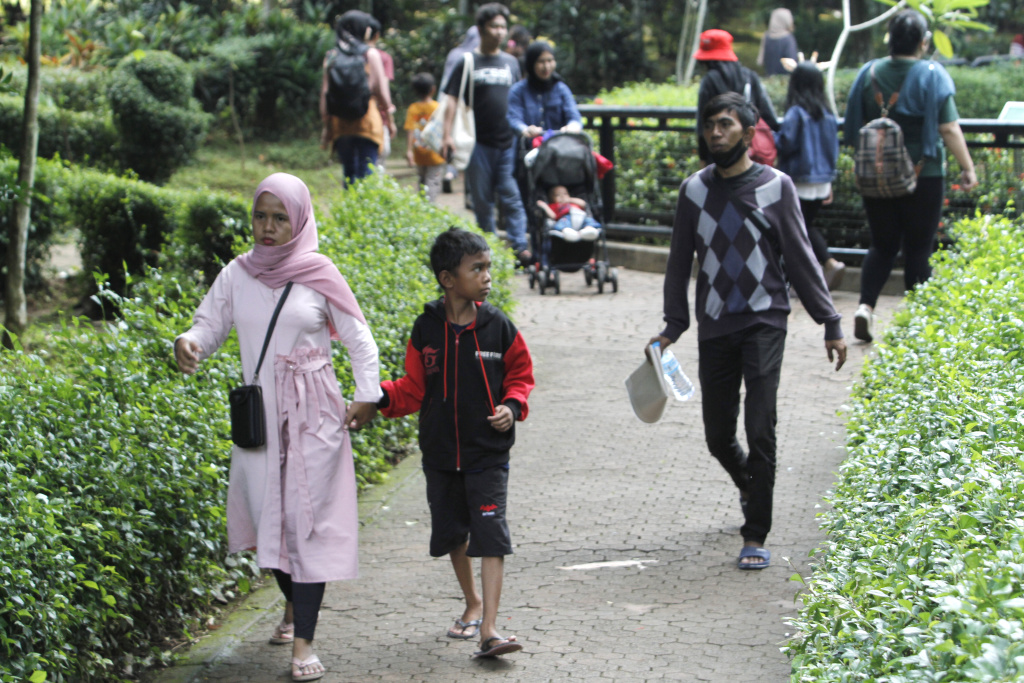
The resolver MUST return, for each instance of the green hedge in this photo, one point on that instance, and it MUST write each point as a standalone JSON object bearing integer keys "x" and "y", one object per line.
{"x": 116, "y": 464}
{"x": 49, "y": 218}
{"x": 921, "y": 576}
{"x": 79, "y": 136}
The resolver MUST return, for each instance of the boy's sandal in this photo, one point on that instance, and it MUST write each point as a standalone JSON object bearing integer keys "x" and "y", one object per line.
{"x": 763, "y": 555}
{"x": 492, "y": 647}
{"x": 458, "y": 631}
{"x": 283, "y": 634}
{"x": 299, "y": 667}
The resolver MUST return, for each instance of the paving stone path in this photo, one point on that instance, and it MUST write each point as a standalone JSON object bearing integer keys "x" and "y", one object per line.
{"x": 589, "y": 484}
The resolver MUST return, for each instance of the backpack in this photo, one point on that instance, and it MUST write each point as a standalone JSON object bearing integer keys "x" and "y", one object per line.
{"x": 762, "y": 147}
{"x": 348, "y": 87}
{"x": 882, "y": 167}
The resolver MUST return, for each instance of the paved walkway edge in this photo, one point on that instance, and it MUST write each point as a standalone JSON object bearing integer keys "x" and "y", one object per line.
{"x": 208, "y": 648}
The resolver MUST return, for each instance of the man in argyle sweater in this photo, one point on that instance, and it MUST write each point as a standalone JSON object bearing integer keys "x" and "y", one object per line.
{"x": 743, "y": 222}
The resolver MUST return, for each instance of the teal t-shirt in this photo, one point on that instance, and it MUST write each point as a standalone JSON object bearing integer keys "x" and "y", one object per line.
{"x": 890, "y": 74}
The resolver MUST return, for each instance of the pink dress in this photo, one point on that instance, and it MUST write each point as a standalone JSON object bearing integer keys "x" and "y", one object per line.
{"x": 294, "y": 501}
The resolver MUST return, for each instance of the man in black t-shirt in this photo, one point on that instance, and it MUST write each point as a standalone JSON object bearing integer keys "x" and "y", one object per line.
{"x": 491, "y": 168}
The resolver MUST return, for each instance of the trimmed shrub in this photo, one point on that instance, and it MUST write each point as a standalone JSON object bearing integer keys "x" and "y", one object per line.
{"x": 921, "y": 576}
{"x": 117, "y": 464}
{"x": 209, "y": 226}
{"x": 79, "y": 136}
{"x": 123, "y": 223}
{"x": 159, "y": 123}
{"x": 49, "y": 218}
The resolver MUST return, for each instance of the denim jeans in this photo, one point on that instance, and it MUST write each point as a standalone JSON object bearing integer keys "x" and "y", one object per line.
{"x": 753, "y": 356}
{"x": 491, "y": 172}
{"x": 356, "y": 154}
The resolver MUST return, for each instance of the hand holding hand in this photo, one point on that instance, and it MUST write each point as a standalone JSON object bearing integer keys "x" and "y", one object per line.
{"x": 838, "y": 346}
{"x": 502, "y": 419}
{"x": 186, "y": 355}
{"x": 359, "y": 413}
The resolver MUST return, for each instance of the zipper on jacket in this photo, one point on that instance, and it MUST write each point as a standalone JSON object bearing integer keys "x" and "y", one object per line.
{"x": 455, "y": 408}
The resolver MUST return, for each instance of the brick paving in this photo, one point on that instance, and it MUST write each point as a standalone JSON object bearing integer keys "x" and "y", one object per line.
{"x": 589, "y": 483}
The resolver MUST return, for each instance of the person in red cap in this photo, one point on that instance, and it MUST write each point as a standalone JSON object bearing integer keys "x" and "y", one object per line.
{"x": 726, "y": 74}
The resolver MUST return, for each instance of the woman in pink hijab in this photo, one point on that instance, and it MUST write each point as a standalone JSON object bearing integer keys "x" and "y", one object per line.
{"x": 294, "y": 499}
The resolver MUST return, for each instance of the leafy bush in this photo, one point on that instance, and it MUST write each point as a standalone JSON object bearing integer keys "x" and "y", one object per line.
{"x": 113, "y": 503}
{"x": 80, "y": 136}
{"x": 49, "y": 217}
{"x": 159, "y": 124}
{"x": 921, "y": 576}
{"x": 208, "y": 227}
{"x": 117, "y": 465}
{"x": 123, "y": 223}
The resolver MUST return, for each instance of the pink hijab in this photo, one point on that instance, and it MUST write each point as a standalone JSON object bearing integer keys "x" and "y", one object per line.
{"x": 298, "y": 260}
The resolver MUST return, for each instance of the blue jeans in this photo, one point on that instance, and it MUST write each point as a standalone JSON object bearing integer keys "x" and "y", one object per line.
{"x": 752, "y": 356}
{"x": 492, "y": 173}
{"x": 356, "y": 154}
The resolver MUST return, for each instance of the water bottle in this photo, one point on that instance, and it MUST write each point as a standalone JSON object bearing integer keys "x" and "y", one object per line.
{"x": 681, "y": 385}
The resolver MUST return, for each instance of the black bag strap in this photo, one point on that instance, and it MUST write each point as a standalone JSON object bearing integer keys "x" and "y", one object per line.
{"x": 270, "y": 331}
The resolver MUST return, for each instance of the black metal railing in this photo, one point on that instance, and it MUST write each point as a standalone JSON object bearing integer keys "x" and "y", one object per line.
{"x": 843, "y": 222}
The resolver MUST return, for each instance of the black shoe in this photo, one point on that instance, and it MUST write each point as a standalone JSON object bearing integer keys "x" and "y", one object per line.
{"x": 446, "y": 186}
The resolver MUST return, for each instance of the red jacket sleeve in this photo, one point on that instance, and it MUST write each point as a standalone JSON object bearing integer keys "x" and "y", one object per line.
{"x": 405, "y": 395}
{"x": 518, "y": 382}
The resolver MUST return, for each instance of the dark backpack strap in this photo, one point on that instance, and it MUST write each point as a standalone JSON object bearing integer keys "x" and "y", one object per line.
{"x": 270, "y": 331}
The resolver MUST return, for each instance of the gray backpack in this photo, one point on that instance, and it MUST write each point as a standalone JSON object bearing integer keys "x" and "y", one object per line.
{"x": 882, "y": 166}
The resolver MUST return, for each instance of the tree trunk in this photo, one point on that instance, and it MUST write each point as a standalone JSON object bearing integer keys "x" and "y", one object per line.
{"x": 16, "y": 313}
{"x": 702, "y": 11}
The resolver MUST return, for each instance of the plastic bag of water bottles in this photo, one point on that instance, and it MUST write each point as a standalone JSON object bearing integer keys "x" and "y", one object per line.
{"x": 675, "y": 378}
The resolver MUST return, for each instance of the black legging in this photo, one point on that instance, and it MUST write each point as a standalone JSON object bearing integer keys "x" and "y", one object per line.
{"x": 305, "y": 598}
{"x": 910, "y": 222}
{"x": 809, "y": 208}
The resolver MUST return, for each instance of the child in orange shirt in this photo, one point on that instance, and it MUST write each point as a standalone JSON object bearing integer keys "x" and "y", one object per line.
{"x": 429, "y": 164}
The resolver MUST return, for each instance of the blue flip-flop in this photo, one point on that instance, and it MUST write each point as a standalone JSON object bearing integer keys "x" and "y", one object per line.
{"x": 751, "y": 551}
{"x": 462, "y": 626}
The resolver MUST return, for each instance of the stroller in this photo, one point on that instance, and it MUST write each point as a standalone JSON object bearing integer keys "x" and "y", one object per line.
{"x": 565, "y": 159}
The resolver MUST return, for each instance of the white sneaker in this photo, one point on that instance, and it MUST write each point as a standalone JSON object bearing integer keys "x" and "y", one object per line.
{"x": 862, "y": 321}
{"x": 570, "y": 235}
{"x": 589, "y": 233}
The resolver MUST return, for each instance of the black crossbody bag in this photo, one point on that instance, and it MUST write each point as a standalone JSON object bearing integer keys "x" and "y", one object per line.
{"x": 248, "y": 420}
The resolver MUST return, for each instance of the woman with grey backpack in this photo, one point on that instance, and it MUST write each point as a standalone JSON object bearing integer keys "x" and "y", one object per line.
{"x": 917, "y": 94}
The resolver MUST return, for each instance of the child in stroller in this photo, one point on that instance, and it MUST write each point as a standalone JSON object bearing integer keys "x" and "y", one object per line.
{"x": 568, "y": 216}
{"x": 562, "y": 189}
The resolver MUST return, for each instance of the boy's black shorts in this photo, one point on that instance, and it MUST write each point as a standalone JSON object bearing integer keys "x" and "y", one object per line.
{"x": 468, "y": 503}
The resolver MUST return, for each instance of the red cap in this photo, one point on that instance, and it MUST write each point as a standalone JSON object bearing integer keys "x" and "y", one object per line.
{"x": 715, "y": 46}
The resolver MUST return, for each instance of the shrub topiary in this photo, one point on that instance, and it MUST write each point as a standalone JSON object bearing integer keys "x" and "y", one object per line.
{"x": 79, "y": 136}
{"x": 160, "y": 124}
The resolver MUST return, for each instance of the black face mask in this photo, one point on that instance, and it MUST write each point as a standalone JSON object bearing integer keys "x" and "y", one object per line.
{"x": 730, "y": 156}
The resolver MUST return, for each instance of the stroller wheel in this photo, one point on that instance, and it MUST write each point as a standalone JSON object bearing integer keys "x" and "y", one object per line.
{"x": 542, "y": 280}
{"x": 615, "y": 280}
{"x": 602, "y": 276}
{"x": 587, "y": 275}
{"x": 532, "y": 273}
{"x": 557, "y": 282}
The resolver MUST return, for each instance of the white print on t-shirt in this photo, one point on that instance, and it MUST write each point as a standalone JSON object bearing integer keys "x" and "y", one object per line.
{"x": 488, "y": 355}
{"x": 493, "y": 76}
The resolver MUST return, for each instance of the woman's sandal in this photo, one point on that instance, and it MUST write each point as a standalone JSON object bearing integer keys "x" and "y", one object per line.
{"x": 492, "y": 647}
{"x": 284, "y": 634}
{"x": 299, "y": 666}
{"x": 459, "y": 630}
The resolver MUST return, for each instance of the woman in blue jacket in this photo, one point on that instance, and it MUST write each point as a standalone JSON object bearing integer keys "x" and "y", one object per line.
{"x": 542, "y": 101}
{"x": 808, "y": 147}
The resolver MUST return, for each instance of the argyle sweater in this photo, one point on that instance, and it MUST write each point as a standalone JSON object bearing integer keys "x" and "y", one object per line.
{"x": 741, "y": 282}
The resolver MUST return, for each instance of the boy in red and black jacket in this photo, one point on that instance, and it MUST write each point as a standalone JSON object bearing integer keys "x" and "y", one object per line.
{"x": 469, "y": 374}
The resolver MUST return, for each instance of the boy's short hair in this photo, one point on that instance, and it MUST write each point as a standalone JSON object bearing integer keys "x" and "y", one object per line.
{"x": 422, "y": 84}
{"x": 451, "y": 245}
{"x": 731, "y": 101}
{"x": 488, "y": 11}
{"x": 520, "y": 35}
